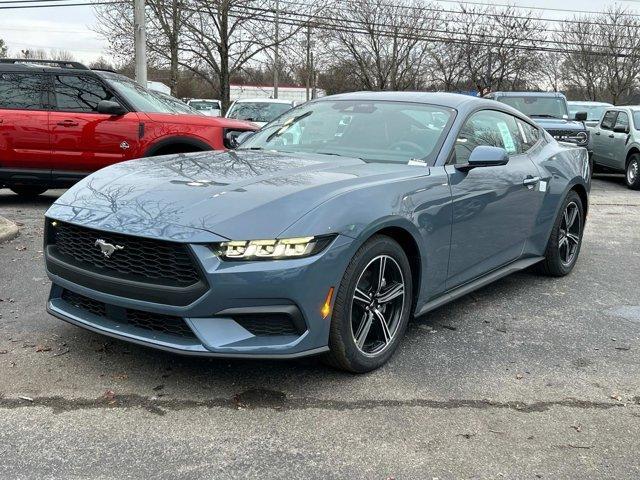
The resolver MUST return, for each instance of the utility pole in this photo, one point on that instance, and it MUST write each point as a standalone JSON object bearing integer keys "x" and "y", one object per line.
{"x": 308, "y": 75}
{"x": 276, "y": 53}
{"x": 140, "y": 40}
{"x": 314, "y": 91}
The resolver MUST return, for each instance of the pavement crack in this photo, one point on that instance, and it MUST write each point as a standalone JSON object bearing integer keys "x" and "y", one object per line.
{"x": 267, "y": 399}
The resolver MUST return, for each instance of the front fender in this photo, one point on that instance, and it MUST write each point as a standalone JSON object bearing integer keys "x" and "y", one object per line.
{"x": 421, "y": 206}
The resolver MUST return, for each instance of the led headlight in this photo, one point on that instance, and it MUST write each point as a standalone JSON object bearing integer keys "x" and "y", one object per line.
{"x": 272, "y": 249}
{"x": 582, "y": 138}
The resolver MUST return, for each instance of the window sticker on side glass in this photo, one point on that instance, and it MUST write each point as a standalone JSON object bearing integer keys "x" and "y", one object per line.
{"x": 507, "y": 140}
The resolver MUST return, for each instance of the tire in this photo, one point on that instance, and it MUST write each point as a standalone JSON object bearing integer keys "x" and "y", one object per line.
{"x": 360, "y": 316}
{"x": 28, "y": 191}
{"x": 632, "y": 173}
{"x": 563, "y": 250}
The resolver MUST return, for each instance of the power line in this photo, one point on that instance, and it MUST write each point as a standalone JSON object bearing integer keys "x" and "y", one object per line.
{"x": 16, "y": 7}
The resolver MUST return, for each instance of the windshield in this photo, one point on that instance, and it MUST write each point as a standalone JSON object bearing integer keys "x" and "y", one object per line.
{"x": 145, "y": 100}
{"x": 178, "y": 106}
{"x": 551, "y": 107}
{"x": 594, "y": 112}
{"x": 375, "y": 131}
{"x": 257, "y": 111}
{"x": 204, "y": 105}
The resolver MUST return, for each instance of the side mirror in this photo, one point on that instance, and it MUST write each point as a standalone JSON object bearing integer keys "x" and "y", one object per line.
{"x": 485, "y": 156}
{"x": 621, "y": 129}
{"x": 581, "y": 116}
{"x": 111, "y": 108}
{"x": 244, "y": 136}
{"x": 233, "y": 138}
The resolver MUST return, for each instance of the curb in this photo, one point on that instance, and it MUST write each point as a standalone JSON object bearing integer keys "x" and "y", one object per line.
{"x": 8, "y": 230}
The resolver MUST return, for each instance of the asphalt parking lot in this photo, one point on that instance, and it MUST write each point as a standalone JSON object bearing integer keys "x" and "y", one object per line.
{"x": 529, "y": 378}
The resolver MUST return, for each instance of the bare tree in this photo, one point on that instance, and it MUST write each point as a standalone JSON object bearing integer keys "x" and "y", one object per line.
{"x": 387, "y": 43}
{"x": 224, "y": 36}
{"x": 4, "y": 50}
{"x": 166, "y": 21}
{"x": 619, "y": 33}
{"x": 499, "y": 46}
{"x": 584, "y": 63}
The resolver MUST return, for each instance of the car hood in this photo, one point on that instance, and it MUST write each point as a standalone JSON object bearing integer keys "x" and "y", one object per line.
{"x": 200, "y": 120}
{"x": 235, "y": 194}
{"x": 559, "y": 124}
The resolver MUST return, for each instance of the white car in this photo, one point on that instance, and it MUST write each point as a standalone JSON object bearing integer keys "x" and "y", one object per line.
{"x": 205, "y": 106}
{"x": 259, "y": 110}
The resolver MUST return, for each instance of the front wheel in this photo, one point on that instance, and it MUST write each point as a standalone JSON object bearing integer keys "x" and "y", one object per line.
{"x": 633, "y": 172}
{"x": 566, "y": 238}
{"x": 372, "y": 307}
{"x": 28, "y": 191}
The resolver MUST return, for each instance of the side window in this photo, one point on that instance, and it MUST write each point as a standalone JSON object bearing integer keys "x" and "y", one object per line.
{"x": 23, "y": 92}
{"x": 609, "y": 120}
{"x": 530, "y": 135}
{"x": 490, "y": 128}
{"x": 622, "y": 120}
{"x": 79, "y": 93}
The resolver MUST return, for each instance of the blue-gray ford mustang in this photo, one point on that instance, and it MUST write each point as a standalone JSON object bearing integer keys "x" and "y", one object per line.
{"x": 323, "y": 233}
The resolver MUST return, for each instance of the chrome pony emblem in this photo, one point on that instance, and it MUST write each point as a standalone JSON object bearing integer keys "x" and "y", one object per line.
{"x": 124, "y": 145}
{"x": 107, "y": 249}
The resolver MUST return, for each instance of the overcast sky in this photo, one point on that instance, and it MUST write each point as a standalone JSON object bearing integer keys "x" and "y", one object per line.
{"x": 70, "y": 28}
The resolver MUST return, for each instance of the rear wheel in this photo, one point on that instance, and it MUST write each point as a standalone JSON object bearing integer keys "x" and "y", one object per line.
{"x": 566, "y": 238}
{"x": 633, "y": 172}
{"x": 372, "y": 307}
{"x": 28, "y": 191}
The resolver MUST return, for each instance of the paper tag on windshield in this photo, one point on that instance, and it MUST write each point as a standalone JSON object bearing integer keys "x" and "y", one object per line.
{"x": 507, "y": 140}
{"x": 417, "y": 163}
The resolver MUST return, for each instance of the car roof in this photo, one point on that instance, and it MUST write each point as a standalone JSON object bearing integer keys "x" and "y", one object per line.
{"x": 528, "y": 94}
{"x": 444, "y": 99}
{"x": 635, "y": 108}
{"x": 263, "y": 100}
{"x": 595, "y": 104}
{"x": 213, "y": 100}
{"x": 41, "y": 66}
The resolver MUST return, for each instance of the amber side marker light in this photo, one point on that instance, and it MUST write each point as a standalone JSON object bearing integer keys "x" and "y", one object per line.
{"x": 326, "y": 307}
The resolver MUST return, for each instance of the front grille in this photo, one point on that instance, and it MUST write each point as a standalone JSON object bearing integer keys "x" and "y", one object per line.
{"x": 85, "y": 303}
{"x": 159, "y": 323}
{"x": 266, "y": 325}
{"x": 149, "y": 260}
{"x": 154, "y": 322}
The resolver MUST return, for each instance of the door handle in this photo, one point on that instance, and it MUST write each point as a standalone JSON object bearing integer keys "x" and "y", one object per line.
{"x": 612, "y": 136}
{"x": 68, "y": 123}
{"x": 530, "y": 182}
{"x": 598, "y": 133}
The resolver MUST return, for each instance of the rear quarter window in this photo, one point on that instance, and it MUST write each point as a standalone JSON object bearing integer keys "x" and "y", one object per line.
{"x": 23, "y": 91}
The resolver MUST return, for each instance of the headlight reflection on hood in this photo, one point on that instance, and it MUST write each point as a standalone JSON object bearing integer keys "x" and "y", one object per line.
{"x": 298, "y": 247}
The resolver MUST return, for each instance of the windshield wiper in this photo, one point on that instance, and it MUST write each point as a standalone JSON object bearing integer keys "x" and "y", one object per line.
{"x": 543, "y": 115}
{"x": 333, "y": 154}
{"x": 287, "y": 124}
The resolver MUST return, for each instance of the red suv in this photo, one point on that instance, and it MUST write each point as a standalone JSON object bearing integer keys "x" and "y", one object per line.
{"x": 60, "y": 121}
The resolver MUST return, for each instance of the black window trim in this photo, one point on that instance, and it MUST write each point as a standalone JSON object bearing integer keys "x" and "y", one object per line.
{"x": 44, "y": 75}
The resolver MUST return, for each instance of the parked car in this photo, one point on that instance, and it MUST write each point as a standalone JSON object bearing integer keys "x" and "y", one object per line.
{"x": 210, "y": 108}
{"x": 594, "y": 111}
{"x": 259, "y": 110}
{"x": 616, "y": 143}
{"x": 304, "y": 242}
{"x": 60, "y": 121}
{"x": 550, "y": 111}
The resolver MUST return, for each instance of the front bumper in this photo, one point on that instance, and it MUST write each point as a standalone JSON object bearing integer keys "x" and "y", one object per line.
{"x": 259, "y": 309}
